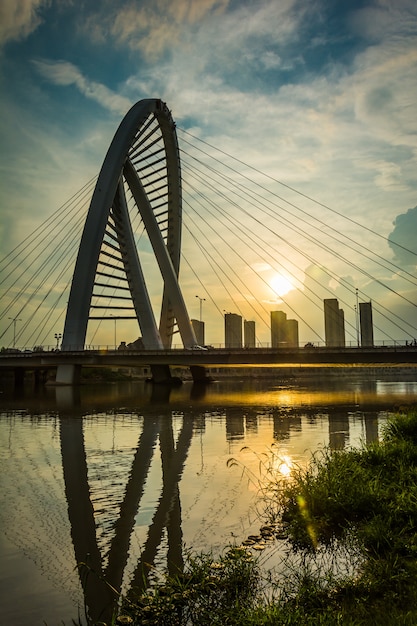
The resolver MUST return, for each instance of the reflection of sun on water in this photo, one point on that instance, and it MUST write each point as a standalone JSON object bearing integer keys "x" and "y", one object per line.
{"x": 284, "y": 465}
{"x": 279, "y": 471}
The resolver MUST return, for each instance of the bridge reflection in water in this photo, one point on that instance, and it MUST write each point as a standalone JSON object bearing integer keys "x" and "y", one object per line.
{"x": 126, "y": 510}
{"x": 101, "y": 584}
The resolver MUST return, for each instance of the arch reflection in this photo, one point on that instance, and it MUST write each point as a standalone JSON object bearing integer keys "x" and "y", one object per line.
{"x": 102, "y": 576}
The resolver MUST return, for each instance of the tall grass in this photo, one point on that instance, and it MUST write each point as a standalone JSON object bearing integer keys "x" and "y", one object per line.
{"x": 209, "y": 592}
{"x": 369, "y": 494}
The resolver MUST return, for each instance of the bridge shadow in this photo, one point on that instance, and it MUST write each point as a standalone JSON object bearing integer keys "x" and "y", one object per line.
{"x": 102, "y": 584}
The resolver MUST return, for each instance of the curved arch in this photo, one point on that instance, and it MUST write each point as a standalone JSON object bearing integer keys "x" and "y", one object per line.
{"x": 143, "y": 157}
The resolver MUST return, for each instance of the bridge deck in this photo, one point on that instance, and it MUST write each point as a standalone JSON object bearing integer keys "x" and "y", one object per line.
{"x": 219, "y": 357}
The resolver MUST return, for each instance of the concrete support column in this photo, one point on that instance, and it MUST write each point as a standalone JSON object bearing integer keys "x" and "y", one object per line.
{"x": 68, "y": 374}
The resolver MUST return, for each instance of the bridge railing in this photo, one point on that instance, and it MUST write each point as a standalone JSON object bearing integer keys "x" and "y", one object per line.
{"x": 400, "y": 343}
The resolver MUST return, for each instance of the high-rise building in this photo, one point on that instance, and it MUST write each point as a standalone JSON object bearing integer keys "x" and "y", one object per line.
{"x": 198, "y": 328}
{"x": 284, "y": 333}
{"x": 278, "y": 329}
{"x": 334, "y": 323}
{"x": 249, "y": 340}
{"x": 366, "y": 324}
{"x": 292, "y": 334}
{"x": 233, "y": 330}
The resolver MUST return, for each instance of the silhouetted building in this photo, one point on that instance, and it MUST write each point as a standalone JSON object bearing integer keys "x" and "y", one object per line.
{"x": 233, "y": 330}
{"x": 292, "y": 333}
{"x": 284, "y": 333}
{"x": 278, "y": 329}
{"x": 249, "y": 339}
{"x": 367, "y": 329}
{"x": 334, "y": 323}
{"x": 198, "y": 328}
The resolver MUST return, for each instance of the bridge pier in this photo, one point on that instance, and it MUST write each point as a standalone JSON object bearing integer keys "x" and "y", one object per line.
{"x": 68, "y": 374}
{"x": 40, "y": 376}
{"x": 161, "y": 375}
{"x": 19, "y": 377}
{"x": 199, "y": 374}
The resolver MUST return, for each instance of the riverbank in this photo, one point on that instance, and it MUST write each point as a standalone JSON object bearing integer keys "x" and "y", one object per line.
{"x": 349, "y": 521}
{"x": 393, "y": 372}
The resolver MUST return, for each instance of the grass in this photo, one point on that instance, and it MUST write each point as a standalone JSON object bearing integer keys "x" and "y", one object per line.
{"x": 208, "y": 592}
{"x": 365, "y": 500}
{"x": 350, "y": 519}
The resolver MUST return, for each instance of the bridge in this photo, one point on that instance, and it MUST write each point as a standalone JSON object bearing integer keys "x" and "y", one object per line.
{"x": 215, "y": 357}
{"x": 139, "y": 195}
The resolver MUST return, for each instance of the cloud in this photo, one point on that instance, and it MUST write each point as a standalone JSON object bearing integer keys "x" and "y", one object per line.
{"x": 404, "y": 235}
{"x": 348, "y": 123}
{"x": 19, "y": 18}
{"x": 270, "y": 60}
{"x": 378, "y": 87}
{"x": 206, "y": 29}
{"x": 389, "y": 176}
{"x": 151, "y": 27}
{"x": 331, "y": 115}
{"x": 65, "y": 74}
{"x": 386, "y": 18}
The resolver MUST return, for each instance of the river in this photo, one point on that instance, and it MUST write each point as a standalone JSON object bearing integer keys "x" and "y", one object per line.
{"x": 127, "y": 474}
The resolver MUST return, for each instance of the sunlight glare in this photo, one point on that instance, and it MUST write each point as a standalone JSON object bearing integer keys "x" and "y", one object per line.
{"x": 284, "y": 465}
{"x": 281, "y": 285}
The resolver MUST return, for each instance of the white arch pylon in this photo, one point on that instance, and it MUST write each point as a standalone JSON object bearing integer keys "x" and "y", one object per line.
{"x": 137, "y": 135}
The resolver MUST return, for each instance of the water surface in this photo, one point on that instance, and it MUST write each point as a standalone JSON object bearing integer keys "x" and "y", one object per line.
{"x": 123, "y": 475}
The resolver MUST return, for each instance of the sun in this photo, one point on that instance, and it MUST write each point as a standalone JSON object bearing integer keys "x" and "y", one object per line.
{"x": 280, "y": 284}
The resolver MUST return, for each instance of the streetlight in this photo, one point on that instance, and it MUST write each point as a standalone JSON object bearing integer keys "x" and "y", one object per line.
{"x": 201, "y": 307}
{"x": 57, "y": 337}
{"x": 14, "y": 320}
{"x": 115, "y": 330}
{"x": 357, "y": 316}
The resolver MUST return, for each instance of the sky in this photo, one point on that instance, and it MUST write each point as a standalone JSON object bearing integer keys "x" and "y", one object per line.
{"x": 319, "y": 95}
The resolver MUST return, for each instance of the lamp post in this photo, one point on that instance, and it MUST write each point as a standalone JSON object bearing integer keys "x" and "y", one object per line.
{"x": 201, "y": 307}
{"x": 357, "y": 317}
{"x": 14, "y": 320}
{"x": 57, "y": 337}
{"x": 115, "y": 331}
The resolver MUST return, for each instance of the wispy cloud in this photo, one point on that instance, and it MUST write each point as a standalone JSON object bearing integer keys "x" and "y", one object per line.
{"x": 18, "y": 18}
{"x": 385, "y": 18}
{"x": 151, "y": 27}
{"x": 65, "y": 74}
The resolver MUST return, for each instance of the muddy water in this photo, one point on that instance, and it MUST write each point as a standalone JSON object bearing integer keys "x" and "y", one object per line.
{"x": 125, "y": 475}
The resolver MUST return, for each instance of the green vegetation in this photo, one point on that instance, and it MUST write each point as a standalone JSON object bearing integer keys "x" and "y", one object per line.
{"x": 209, "y": 592}
{"x": 364, "y": 501}
{"x": 350, "y": 521}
